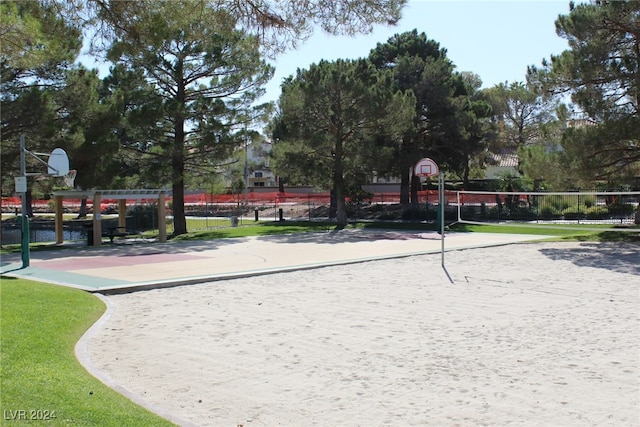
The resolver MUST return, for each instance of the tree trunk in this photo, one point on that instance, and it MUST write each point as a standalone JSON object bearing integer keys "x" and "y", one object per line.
{"x": 179, "y": 218}
{"x": 332, "y": 201}
{"x": 338, "y": 186}
{"x": 177, "y": 159}
{"x": 177, "y": 165}
{"x": 415, "y": 185}
{"x": 83, "y": 208}
{"x": 341, "y": 206}
{"x": 465, "y": 178}
{"x": 404, "y": 186}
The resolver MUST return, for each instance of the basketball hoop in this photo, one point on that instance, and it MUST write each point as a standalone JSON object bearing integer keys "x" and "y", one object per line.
{"x": 70, "y": 177}
{"x": 426, "y": 168}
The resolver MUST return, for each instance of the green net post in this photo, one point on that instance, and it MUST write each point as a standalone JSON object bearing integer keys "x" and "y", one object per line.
{"x": 24, "y": 243}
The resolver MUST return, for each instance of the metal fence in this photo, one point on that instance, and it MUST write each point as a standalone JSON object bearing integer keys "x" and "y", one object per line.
{"x": 207, "y": 211}
{"x": 578, "y": 207}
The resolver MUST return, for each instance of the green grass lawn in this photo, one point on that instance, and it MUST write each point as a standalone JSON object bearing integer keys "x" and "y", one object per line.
{"x": 570, "y": 232}
{"x": 574, "y": 232}
{"x": 41, "y": 377}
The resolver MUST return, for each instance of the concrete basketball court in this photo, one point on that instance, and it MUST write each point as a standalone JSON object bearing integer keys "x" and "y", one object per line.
{"x": 134, "y": 266}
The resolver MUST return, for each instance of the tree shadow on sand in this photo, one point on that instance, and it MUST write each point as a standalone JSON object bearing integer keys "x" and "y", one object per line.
{"x": 618, "y": 257}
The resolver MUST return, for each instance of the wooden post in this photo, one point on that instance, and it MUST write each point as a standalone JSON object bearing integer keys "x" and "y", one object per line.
{"x": 162, "y": 218}
{"x": 97, "y": 220}
{"x": 59, "y": 220}
{"x": 122, "y": 213}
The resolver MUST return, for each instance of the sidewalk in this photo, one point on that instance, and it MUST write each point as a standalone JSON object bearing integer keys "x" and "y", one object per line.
{"x": 117, "y": 268}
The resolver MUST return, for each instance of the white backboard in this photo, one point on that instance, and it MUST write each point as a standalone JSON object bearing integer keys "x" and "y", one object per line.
{"x": 426, "y": 167}
{"x": 58, "y": 162}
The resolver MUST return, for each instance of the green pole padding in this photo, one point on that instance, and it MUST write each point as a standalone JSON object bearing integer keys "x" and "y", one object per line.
{"x": 24, "y": 243}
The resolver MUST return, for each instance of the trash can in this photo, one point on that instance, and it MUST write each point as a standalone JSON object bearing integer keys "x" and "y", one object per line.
{"x": 89, "y": 229}
{"x": 256, "y": 214}
{"x": 234, "y": 221}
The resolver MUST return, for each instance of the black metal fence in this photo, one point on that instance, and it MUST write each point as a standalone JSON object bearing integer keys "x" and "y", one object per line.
{"x": 591, "y": 207}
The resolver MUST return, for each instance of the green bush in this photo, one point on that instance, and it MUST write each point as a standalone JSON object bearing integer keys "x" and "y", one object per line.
{"x": 414, "y": 214}
{"x": 559, "y": 202}
{"x": 523, "y": 213}
{"x": 550, "y": 212}
{"x": 589, "y": 201}
{"x": 495, "y": 213}
{"x": 142, "y": 217}
{"x": 391, "y": 216}
{"x": 624, "y": 209}
{"x": 573, "y": 213}
{"x": 596, "y": 212}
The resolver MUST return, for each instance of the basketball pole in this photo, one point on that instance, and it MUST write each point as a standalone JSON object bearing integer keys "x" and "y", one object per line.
{"x": 24, "y": 220}
{"x": 427, "y": 167}
{"x": 441, "y": 224}
{"x": 58, "y": 165}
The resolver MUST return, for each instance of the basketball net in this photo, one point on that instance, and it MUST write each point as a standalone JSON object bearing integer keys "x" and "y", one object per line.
{"x": 70, "y": 178}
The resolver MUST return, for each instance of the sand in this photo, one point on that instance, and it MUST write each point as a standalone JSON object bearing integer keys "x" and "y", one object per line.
{"x": 530, "y": 334}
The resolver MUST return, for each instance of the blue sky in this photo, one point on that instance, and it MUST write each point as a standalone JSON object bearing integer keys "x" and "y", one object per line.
{"x": 496, "y": 39}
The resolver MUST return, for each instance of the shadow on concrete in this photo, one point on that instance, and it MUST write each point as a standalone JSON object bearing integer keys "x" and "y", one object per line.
{"x": 351, "y": 235}
{"x": 619, "y": 257}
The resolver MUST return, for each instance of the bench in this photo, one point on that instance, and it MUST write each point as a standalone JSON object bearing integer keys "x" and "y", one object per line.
{"x": 117, "y": 231}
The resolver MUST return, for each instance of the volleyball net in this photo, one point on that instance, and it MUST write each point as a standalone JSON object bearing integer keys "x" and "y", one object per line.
{"x": 589, "y": 209}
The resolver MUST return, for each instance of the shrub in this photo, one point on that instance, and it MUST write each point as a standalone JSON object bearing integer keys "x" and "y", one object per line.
{"x": 550, "y": 212}
{"x": 414, "y": 214}
{"x": 573, "y": 213}
{"x": 494, "y": 213}
{"x": 589, "y": 201}
{"x": 623, "y": 209}
{"x": 596, "y": 212}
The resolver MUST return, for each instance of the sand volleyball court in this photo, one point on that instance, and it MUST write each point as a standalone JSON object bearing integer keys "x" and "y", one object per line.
{"x": 530, "y": 334}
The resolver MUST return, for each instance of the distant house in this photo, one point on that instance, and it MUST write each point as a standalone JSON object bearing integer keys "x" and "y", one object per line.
{"x": 261, "y": 178}
{"x": 258, "y": 173}
{"x": 506, "y": 162}
{"x": 580, "y": 122}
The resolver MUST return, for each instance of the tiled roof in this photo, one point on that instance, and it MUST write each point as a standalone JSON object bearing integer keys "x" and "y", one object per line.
{"x": 506, "y": 158}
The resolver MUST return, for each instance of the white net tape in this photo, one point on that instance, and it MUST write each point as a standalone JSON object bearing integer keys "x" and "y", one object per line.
{"x": 70, "y": 178}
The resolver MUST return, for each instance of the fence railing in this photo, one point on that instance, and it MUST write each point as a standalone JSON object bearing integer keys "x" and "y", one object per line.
{"x": 207, "y": 211}
{"x": 584, "y": 206}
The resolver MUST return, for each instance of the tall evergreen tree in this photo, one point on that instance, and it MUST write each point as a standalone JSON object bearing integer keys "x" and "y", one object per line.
{"x": 205, "y": 79}
{"x": 37, "y": 48}
{"x": 330, "y": 119}
{"x": 600, "y": 71}
{"x": 420, "y": 66}
{"x": 527, "y": 125}
{"x": 278, "y": 25}
{"x": 154, "y": 35}
{"x": 472, "y": 129}
{"x": 523, "y": 112}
